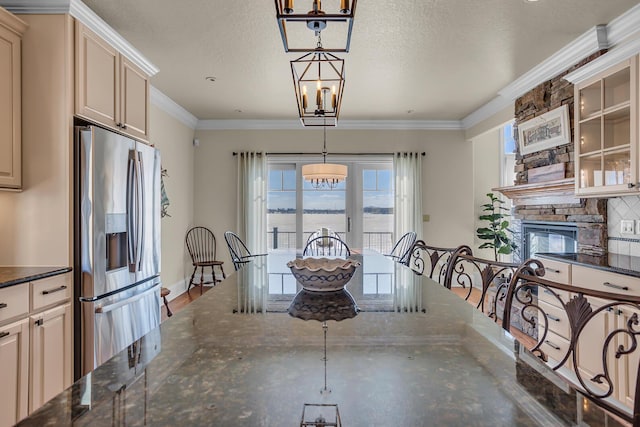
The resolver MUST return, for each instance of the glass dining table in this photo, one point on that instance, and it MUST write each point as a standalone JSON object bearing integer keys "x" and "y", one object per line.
{"x": 414, "y": 355}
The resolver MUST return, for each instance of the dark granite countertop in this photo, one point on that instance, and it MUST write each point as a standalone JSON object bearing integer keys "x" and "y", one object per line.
{"x": 10, "y": 276}
{"x": 615, "y": 263}
{"x": 433, "y": 361}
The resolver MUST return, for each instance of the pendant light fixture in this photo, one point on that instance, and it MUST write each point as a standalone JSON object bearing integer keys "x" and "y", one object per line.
{"x": 321, "y": 74}
{"x": 336, "y": 25}
{"x": 324, "y": 176}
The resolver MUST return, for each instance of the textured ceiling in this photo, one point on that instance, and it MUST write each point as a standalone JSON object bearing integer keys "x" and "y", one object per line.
{"x": 409, "y": 60}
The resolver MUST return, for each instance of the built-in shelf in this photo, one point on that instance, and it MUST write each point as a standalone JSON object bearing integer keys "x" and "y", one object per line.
{"x": 561, "y": 191}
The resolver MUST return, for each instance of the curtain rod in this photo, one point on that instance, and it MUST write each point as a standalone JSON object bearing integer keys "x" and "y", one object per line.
{"x": 235, "y": 153}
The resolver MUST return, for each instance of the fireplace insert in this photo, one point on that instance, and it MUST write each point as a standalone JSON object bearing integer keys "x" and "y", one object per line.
{"x": 548, "y": 237}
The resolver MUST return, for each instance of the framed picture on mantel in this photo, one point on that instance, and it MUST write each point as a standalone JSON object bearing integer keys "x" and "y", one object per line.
{"x": 545, "y": 131}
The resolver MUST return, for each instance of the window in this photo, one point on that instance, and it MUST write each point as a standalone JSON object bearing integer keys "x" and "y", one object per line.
{"x": 359, "y": 210}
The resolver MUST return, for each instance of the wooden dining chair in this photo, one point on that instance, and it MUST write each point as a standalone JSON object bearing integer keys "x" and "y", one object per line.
{"x": 201, "y": 244}
{"x": 401, "y": 251}
{"x": 240, "y": 254}
{"x": 326, "y": 246}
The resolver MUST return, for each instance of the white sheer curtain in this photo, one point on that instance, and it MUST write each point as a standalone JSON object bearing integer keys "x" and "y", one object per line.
{"x": 407, "y": 168}
{"x": 252, "y": 227}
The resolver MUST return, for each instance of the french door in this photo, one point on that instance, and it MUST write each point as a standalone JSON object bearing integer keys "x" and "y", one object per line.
{"x": 359, "y": 210}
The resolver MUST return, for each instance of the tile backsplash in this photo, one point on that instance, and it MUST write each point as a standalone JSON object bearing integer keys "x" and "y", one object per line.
{"x": 618, "y": 209}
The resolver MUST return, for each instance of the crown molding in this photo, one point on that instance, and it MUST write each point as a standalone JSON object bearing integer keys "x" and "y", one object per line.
{"x": 343, "y": 124}
{"x": 597, "y": 38}
{"x": 169, "y": 106}
{"x": 624, "y": 26}
{"x": 588, "y": 43}
{"x": 492, "y": 107}
{"x": 614, "y": 56}
{"x": 89, "y": 18}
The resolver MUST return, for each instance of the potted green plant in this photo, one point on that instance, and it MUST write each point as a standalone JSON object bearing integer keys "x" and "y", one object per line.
{"x": 497, "y": 234}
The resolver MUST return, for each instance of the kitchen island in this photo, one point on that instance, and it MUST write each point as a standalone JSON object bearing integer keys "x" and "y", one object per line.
{"x": 429, "y": 359}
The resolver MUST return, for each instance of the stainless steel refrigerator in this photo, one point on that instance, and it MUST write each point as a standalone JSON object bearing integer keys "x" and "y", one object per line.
{"x": 117, "y": 244}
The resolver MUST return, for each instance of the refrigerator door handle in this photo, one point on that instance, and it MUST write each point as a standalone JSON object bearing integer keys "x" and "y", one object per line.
{"x": 131, "y": 226}
{"x": 107, "y": 308}
{"x": 141, "y": 209}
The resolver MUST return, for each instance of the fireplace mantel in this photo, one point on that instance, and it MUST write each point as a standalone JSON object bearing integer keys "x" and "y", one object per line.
{"x": 558, "y": 192}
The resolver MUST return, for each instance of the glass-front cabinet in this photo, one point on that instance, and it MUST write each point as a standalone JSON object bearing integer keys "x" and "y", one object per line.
{"x": 606, "y": 131}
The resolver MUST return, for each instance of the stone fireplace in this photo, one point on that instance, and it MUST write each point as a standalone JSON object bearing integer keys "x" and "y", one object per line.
{"x": 553, "y": 201}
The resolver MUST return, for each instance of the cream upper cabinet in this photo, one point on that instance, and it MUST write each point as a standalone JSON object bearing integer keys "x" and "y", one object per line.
{"x": 606, "y": 131}
{"x": 14, "y": 374}
{"x": 110, "y": 89}
{"x": 51, "y": 354}
{"x": 11, "y": 29}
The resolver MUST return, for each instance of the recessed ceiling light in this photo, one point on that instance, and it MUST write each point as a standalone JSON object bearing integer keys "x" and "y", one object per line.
{"x": 210, "y": 79}
{"x": 530, "y": 1}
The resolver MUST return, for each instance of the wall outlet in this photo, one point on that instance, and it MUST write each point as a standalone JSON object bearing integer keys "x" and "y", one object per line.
{"x": 627, "y": 226}
{"x": 427, "y": 218}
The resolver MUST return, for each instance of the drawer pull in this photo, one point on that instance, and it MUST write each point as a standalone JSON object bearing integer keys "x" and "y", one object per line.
{"x": 50, "y": 291}
{"x": 3, "y": 305}
{"x": 548, "y": 292}
{"x": 4, "y": 334}
{"x": 553, "y": 270}
{"x": 554, "y": 318}
{"x": 552, "y": 345}
{"x": 613, "y": 285}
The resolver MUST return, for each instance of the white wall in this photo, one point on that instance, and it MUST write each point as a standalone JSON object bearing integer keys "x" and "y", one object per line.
{"x": 447, "y": 173}
{"x": 486, "y": 175}
{"x": 174, "y": 140}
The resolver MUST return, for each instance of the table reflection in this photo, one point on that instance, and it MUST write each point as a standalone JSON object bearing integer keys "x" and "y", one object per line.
{"x": 378, "y": 285}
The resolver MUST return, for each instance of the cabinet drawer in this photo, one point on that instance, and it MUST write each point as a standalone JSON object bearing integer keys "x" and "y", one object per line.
{"x": 557, "y": 271}
{"x": 50, "y": 291}
{"x": 555, "y": 347}
{"x": 14, "y": 301}
{"x": 558, "y": 320}
{"x": 605, "y": 281}
{"x": 547, "y": 296}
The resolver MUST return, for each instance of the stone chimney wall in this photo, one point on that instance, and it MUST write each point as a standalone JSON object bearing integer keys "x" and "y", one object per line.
{"x": 590, "y": 215}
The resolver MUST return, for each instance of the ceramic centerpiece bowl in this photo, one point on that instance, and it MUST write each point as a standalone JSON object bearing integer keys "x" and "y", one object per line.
{"x": 323, "y": 274}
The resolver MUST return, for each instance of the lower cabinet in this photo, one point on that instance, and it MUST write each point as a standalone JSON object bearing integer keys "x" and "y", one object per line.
{"x": 50, "y": 354}
{"x": 628, "y": 365}
{"x": 14, "y": 372}
{"x": 36, "y": 345}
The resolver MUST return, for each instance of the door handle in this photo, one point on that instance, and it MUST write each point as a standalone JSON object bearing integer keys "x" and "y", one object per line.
{"x": 107, "y": 308}
{"x": 348, "y": 224}
{"x": 141, "y": 210}
{"x": 130, "y": 202}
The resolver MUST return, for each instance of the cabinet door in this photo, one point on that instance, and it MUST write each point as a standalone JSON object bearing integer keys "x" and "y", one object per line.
{"x": 135, "y": 98}
{"x": 591, "y": 342}
{"x": 10, "y": 110}
{"x": 606, "y": 132}
{"x": 628, "y": 365}
{"x": 97, "y": 78}
{"x": 51, "y": 354}
{"x": 14, "y": 372}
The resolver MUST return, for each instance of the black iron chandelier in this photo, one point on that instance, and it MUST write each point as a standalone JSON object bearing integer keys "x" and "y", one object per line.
{"x": 336, "y": 25}
{"x": 318, "y": 79}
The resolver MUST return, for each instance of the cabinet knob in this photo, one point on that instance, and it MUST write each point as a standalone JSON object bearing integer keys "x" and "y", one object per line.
{"x": 631, "y": 185}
